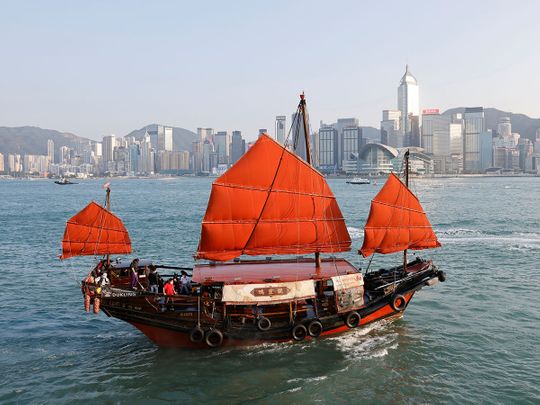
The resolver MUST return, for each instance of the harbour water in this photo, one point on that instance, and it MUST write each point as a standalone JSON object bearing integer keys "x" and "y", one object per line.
{"x": 473, "y": 339}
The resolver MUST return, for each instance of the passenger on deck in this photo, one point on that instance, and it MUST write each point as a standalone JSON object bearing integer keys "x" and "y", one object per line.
{"x": 153, "y": 280}
{"x": 168, "y": 288}
{"x": 185, "y": 283}
{"x": 134, "y": 279}
{"x": 102, "y": 280}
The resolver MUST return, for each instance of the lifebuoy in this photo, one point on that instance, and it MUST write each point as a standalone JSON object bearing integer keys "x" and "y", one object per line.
{"x": 352, "y": 320}
{"x": 299, "y": 332}
{"x": 263, "y": 323}
{"x": 97, "y": 304}
{"x": 214, "y": 338}
{"x": 398, "y": 303}
{"x": 196, "y": 335}
{"x": 87, "y": 299}
{"x": 315, "y": 328}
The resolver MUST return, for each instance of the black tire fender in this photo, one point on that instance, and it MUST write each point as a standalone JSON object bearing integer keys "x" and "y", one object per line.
{"x": 299, "y": 332}
{"x": 264, "y": 324}
{"x": 196, "y": 335}
{"x": 442, "y": 276}
{"x": 398, "y": 302}
{"x": 213, "y": 338}
{"x": 315, "y": 328}
{"x": 352, "y": 320}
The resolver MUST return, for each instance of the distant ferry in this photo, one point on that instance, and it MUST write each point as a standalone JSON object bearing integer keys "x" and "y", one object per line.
{"x": 358, "y": 180}
{"x": 63, "y": 181}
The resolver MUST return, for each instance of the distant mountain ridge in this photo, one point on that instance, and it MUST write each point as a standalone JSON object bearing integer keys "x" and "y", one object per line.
{"x": 521, "y": 123}
{"x": 182, "y": 138}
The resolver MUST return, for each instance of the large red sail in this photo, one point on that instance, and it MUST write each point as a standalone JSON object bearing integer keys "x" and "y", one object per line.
{"x": 397, "y": 222}
{"x": 271, "y": 202}
{"x": 95, "y": 231}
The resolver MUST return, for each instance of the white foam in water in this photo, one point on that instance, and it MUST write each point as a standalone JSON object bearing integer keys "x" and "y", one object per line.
{"x": 513, "y": 241}
{"x": 355, "y": 233}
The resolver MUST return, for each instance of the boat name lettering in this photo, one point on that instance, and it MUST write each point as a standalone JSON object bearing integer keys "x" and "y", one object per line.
{"x": 270, "y": 291}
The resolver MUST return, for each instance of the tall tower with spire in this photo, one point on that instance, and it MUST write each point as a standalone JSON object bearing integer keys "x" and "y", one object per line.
{"x": 408, "y": 102}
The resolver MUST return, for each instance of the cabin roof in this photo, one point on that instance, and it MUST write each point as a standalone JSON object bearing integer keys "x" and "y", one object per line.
{"x": 255, "y": 272}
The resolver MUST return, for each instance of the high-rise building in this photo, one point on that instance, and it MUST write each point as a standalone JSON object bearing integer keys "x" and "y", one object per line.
{"x": 205, "y": 133}
{"x": 504, "y": 127}
{"x": 486, "y": 150}
{"x": 207, "y": 152}
{"x": 50, "y": 150}
{"x": 328, "y": 149}
{"x": 298, "y": 140}
{"x": 108, "y": 145}
{"x": 2, "y": 165}
{"x": 281, "y": 128}
{"x": 436, "y": 132}
{"x": 196, "y": 155}
{"x": 474, "y": 125}
{"x": 15, "y": 164}
{"x": 351, "y": 142}
{"x": 165, "y": 138}
{"x": 263, "y": 131}
{"x": 408, "y": 101}
{"x": 222, "y": 143}
{"x": 147, "y": 156}
{"x": 390, "y": 128}
{"x": 238, "y": 146}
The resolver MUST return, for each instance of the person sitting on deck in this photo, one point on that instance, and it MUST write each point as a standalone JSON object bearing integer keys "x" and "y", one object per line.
{"x": 153, "y": 280}
{"x": 168, "y": 288}
{"x": 185, "y": 283}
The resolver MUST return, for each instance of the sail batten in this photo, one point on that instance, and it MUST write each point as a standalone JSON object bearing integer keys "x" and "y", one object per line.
{"x": 271, "y": 202}
{"x": 95, "y": 231}
{"x": 397, "y": 222}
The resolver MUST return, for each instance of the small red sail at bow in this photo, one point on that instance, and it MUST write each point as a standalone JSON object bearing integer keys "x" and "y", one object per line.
{"x": 95, "y": 231}
{"x": 271, "y": 202}
{"x": 397, "y": 222}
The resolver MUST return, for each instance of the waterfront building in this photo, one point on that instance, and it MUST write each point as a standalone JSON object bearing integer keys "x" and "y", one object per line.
{"x": 526, "y": 154}
{"x": 412, "y": 138}
{"x": 207, "y": 151}
{"x": 376, "y": 159}
{"x": 108, "y": 144}
{"x": 263, "y": 131}
{"x": 474, "y": 125}
{"x": 486, "y": 150}
{"x": 238, "y": 146}
{"x": 50, "y": 150}
{"x": 298, "y": 142}
{"x": 328, "y": 149}
{"x": 408, "y": 101}
{"x": 147, "y": 156}
{"x": 2, "y": 164}
{"x": 351, "y": 142}
{"x": 222, "y": 141}
{"x": 390, "y": 128}
{"x": 15, "y": 164}
{"x": 196, "y": 156}
{"x": 281, "y": 128}
{"x": 134, "y": 158}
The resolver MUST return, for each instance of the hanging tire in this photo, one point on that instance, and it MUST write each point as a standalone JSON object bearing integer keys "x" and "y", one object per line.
{"x": 264, "y": 324}
{"x": 442, "y": 276}
{"x": 315, "y": 328}
{"x": 352, "y": 320}
{"x": 299, "y": 332}
{"x": 214, "y": 338}
{"x": 196, "y": 335}
{"x": 398, "y": 303}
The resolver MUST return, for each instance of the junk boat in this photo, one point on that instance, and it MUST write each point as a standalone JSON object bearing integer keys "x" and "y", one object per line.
{"x": 274, "y": 204}
{"x": 358, "y": 180}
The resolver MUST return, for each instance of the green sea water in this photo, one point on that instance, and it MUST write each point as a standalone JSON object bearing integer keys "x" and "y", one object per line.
{"x": 473, "y": 339}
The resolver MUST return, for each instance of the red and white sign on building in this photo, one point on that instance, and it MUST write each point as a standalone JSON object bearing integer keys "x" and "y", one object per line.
{"x": 431, "y": 111}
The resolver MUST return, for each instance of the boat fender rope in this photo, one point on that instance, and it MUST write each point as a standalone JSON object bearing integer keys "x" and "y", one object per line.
{"x": 214, "y": 338}
{"x": 315, "y": 328}
{"x": 299, "y": 332}
{"x": 196, "y": 335}
{"x": 264, "y": 324}
{"x": 97, "y": 305}
{"x": 352, "y": 320}
{"x": 398, "y": 303}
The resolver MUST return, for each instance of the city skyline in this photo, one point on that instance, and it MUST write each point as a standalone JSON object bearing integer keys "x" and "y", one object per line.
{"x": 67, "y": 75}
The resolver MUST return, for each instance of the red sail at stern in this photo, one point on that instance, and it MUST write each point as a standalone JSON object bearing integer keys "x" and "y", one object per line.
{"x": 95, "y": 231}
{"x": 271, "y": 202}
{"x": 397, "y": 222}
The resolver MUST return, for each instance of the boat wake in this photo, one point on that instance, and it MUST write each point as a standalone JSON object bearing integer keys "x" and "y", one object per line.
{"x": 511, "y": 241}
{"x": 355, "y": 233}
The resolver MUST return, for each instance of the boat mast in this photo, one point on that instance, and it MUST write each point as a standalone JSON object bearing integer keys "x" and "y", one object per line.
{"x": 302, "y": 108}
{"x": 108, "y": 207}
{"x": 406, "y": 162}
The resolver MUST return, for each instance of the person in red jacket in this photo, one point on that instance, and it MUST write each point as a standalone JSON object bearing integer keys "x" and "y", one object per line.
{"x": 168, "y": 288}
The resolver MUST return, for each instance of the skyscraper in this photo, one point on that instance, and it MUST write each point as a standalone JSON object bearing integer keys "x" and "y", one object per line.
{"x": 238, "y": 146}
{"x": 222, "y": 141}
{"x": 390, "y": 128}
{"x": 328, "y": 149}
{"x": 474, "y": 125}
{"x": 263, "y": 131}
{"x": 205, "y": 133}
{"x": 108, "y": 144}
{"x": 165, "y": 138}
{"x": 408, "y": 101}
{"x": 50, "y": 150}
{"x": 281, "y": 128}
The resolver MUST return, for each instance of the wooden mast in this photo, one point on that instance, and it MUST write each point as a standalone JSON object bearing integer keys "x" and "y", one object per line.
{"x": 108, "y": 207}
{"x": 302, "y": 108}
{"x": 406, "y": 162}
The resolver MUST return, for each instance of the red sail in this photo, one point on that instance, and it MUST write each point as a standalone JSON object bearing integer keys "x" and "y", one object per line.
{"x": 95, "y": 231}
{"x": 271, "y": 202}
{"x": 397, "y": 222}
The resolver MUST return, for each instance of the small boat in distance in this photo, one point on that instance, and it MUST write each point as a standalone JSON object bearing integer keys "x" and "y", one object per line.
{"x": 273, "y": 204}
{"x": 64, "y": 182}
{"x": 358, "y": 180}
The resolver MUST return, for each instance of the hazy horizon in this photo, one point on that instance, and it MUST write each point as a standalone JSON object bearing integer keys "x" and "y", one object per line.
{"x": 99, "y": 68}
